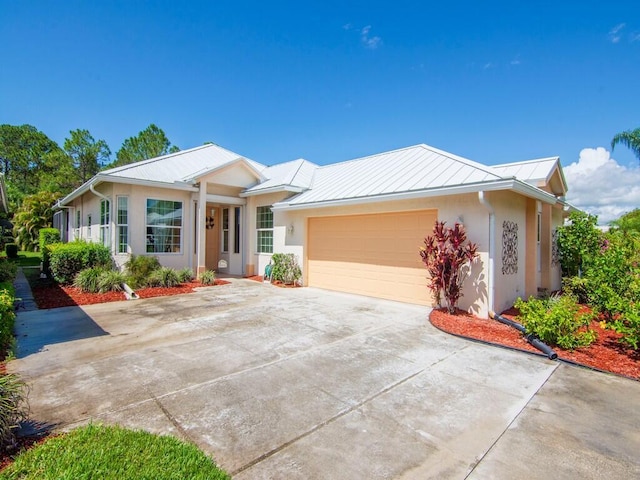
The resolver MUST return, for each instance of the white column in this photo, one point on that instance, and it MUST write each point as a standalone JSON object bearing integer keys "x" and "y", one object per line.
{"x": 201, "y": 233}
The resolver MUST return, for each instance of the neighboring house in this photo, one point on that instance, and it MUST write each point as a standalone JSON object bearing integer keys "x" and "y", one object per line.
{"x": 355, "y": 226}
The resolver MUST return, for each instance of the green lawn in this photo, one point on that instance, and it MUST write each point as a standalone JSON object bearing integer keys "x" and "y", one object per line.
{"x": 29, "y": 259}
{"x": 110, "y": 452}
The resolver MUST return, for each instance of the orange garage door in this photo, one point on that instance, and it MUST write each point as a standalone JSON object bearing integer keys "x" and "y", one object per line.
{"x": 375, "y": 255}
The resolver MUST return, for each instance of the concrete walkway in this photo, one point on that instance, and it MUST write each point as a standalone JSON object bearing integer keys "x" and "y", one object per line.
{"x": 304, "y": 383}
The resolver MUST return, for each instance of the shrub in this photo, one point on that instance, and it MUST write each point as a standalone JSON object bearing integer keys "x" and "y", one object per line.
{"x": 285, "y": 268}
{"x": 208, "y": 277}
{"x": 11, "y": 249}
{"x": 87, "y": 280}
{"x": 7, "y": 318}
{"x": 447, "y": 257}
{"x": 7, "y": 271}
{"x": 163, "y": 277}
{"x": 557, "y": 321}
{"x": 48, "y": 236}
{"x": 628, "y": 324}
{"x": 111, "y": 281}
{"x": 68, "y": 259}
{"x": 578, "y": 243}
{"x": 13, "y": 407}
{"x": 185, "y": 275}
{"x": 139, "y": 268}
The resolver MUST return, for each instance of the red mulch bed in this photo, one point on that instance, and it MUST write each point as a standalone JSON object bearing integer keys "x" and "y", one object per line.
{"x": 606, "y": 353}
{"x": 56, "y": 296}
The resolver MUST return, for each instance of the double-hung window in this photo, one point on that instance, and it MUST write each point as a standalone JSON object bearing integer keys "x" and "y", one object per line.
{"x": 105, "y": 214}
{"x": 122, "y": 224}
{"x": 264, "y": 227}
{"x": 89, "y": 228}
{"x": 164, "y": 226}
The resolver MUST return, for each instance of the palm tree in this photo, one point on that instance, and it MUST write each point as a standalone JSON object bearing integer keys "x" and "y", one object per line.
{"x": 630, "y": 139}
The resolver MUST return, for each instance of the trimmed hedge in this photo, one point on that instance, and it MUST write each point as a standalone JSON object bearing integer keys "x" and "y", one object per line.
{"x": 66, "y": 260}
{"x": 48, "y": 236}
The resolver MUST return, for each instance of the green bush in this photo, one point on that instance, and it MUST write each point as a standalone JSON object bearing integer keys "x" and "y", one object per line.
{"x": 48, "y": 236}
{"x": 7, "y": 318}
{"x": 13, "y": 407}
{"x": 627, "y": 322}
{"x": 99, "y": 280}
{"x": 8, "y": 271}
{"x": 208, "y": 277}
{"x": 68, "y": 259}
{"x": 557, "y": 321}
{"x": 186, "y": 275}
{"x": 138, "y": 269}
{"x": 87, "y": 279}
{"x": 111, "y": 281}
{"x": 11, "y": 249}
{"x": 285, "y": 268}
{"x": 163, "y": 277}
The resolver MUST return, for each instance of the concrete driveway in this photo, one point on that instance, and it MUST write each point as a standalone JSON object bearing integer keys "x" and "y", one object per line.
{"x": 304, "y": 383}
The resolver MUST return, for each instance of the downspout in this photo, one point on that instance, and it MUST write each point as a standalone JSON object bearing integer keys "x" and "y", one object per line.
{"x": 492, "y": 249}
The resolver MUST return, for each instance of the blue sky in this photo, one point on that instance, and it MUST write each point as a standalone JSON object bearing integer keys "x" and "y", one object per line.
{"x": 274, "y": 81}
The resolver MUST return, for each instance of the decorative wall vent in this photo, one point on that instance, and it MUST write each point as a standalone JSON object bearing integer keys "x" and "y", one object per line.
{"x": 555, "y": 254}
{"x": 509, "y": 248}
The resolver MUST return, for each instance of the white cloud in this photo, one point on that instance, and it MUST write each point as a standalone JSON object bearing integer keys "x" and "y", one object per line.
{"x": 487, "y": 66}
{"x": 368, "y": 41}
{"x": 634, "y": 37}
{"x": 347, "y": 26}
{"x": 601, "y": 186}
{"x": 615, "y": 33}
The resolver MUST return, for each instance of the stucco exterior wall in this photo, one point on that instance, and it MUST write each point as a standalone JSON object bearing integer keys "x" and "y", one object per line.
{"x": 137, "y": 195}
{"x": 510, "y": 210}
{"x": 460, "y": 208}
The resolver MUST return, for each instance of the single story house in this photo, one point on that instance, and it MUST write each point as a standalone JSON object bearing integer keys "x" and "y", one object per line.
{"x": 355, "y": 226}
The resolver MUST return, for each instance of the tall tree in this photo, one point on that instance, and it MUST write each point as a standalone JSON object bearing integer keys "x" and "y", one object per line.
{"x": 149, "y": 143}
{"x": 629, "y": 222}
{"x": 630, "y": 139}
{"x": 36, "y": 212}
{"x": 87, "y": 154}
{"x": 23, "y": 159}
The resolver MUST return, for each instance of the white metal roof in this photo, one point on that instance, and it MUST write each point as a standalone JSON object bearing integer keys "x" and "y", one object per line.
{"x": 415, "y": 168}
{"x": 296, "y": 175}
{"x": 530, "y": 171}
{"x": 183, "y": 166}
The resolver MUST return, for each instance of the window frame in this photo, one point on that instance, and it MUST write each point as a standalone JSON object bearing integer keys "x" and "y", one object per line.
{"x": 174, "y": 248}
{"x": 105, "y": 226}
{"x": 264, "y": 229}
{"x": 122, "y": 228}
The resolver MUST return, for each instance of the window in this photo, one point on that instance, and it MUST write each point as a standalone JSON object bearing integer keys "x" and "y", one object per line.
{"x": 164, "y": 226}
{"x": 236, "y": 237}
{"x": 264, "y": 226}
{"x": 225, "y": 230}
{"x": 89, "y": 227}
{"x": 122, "y": 224}
{"x": 78, "y": 224}
{"x": 105, "y": 211}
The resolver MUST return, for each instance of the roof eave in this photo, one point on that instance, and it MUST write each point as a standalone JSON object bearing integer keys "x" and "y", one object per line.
{"x": 507, "y": 184}
{"x": 276, "y": 189}
{"x": 99, "y": 178}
